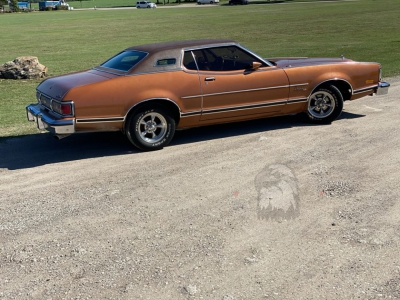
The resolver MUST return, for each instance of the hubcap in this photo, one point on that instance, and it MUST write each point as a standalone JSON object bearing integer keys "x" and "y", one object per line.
{"x": 152, "y": 127}
{"x": 321, "y": 104}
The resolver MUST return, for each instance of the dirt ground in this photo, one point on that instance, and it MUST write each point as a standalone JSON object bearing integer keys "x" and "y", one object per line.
{"x": 267, "y": 209}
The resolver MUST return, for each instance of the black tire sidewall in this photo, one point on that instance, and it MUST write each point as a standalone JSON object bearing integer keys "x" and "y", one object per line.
{"x": 133, "y": 129}
{"x": 338, "y": 98}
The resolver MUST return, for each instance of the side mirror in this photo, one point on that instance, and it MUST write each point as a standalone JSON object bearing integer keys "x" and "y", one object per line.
{"x": 255, "y": 65}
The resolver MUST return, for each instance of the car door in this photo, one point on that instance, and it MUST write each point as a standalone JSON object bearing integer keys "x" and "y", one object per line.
{"x": 235, "y": 83}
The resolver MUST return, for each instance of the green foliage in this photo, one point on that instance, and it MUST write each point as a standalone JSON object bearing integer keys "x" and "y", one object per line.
{"x": 68, "y": 41}
{"x": 61, "y": 7}
{"x": 14, "y": 4}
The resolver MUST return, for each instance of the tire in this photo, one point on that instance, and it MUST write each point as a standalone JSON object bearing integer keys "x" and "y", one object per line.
{"x": 211, "y": 2}
{"x": 325, "y": 105}
{"x": 148, "y": 6}
{"x": 150, "y": 128}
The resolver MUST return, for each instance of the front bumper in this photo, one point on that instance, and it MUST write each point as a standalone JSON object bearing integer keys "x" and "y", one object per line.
{"x": 383, "y": 88}
{"x": 45, "y": 121}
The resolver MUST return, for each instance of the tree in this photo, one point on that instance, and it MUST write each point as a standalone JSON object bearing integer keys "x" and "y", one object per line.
{"x": 14, "y": 4}
{"x": 2, "y": 3}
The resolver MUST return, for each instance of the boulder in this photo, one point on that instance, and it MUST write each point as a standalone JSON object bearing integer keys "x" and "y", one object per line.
{"x": 24, "y": 67}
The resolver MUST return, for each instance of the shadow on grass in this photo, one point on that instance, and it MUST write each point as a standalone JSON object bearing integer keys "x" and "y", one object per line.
{"x": 41, "y": 149}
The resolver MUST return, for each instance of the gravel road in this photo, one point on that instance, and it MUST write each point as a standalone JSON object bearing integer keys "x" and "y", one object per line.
{"x": 267, "y": 209}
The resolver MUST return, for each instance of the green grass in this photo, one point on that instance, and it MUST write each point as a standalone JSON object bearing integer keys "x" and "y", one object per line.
{"x": 67, "y": 41}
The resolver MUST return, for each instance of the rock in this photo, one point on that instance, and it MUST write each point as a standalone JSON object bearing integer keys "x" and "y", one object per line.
{"x": 190, "y": 289}
{"x": 24, "y": 67}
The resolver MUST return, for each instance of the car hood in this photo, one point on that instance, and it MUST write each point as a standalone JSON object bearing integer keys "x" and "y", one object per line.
{"x": 57, "y": 87}
{"x": 284, "y": 62}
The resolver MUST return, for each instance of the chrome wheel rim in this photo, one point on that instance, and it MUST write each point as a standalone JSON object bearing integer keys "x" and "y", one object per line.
{"x": 152, "y": 127}
{"x": 321, "y": 104}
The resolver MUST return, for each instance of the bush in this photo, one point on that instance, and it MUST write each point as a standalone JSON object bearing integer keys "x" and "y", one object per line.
{"x": 61, "y": 7}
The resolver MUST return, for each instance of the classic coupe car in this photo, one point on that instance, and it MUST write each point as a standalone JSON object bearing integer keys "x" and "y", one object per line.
{"x": 149, "y": 91}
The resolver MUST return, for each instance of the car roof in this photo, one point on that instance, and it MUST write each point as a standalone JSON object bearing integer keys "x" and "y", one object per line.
{"x": 168, "y": 50}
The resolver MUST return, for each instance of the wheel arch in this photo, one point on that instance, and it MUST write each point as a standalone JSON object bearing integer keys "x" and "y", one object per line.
{"x": 169, "y": 104}
{"x": 342, "y": 85}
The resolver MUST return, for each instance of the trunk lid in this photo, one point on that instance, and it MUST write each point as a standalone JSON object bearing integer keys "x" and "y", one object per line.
{"x": 57, "y": 87}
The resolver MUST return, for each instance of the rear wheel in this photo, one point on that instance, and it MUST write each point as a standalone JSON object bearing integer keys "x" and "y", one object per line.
{"x": 325, "y": 105}
{"x": 150, "y": 128}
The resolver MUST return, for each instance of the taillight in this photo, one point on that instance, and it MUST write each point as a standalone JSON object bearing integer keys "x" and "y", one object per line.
{"x": 66, "y": 109}
{"x": 62, "y": 108}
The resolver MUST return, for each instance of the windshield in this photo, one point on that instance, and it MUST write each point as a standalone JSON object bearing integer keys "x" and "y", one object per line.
{"x": 125, "y": 60}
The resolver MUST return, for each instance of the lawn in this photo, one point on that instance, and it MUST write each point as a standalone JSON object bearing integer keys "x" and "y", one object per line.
{"x": 67, "y": 41}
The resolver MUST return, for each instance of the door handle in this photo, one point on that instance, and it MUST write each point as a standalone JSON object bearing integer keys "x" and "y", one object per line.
{"x": 210, "y": 79}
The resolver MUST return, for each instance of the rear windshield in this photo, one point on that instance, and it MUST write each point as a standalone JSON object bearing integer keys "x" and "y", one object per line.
{"x": 124, "y": 61}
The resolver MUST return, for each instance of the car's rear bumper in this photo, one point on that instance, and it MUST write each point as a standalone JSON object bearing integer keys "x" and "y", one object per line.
{"x": 45, "y": 121}
{"x": 383, "y": 88}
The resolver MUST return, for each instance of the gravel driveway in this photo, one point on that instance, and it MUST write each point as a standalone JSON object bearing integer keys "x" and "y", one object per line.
{"x": 267, "y": 209}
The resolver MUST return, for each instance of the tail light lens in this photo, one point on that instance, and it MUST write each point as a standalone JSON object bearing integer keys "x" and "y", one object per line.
{"x": 61, "y": 108}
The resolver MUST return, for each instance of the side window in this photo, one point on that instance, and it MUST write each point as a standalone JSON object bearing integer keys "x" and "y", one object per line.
{"x": 188, "y": 61}
{"x": 227, "y": 58}
{"x": 166, "y": 62}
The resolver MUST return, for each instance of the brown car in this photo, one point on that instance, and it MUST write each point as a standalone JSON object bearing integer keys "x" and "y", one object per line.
{"x": 149, "y": 91}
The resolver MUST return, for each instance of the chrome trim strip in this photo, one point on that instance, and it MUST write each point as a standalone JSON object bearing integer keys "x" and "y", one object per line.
{"x": 219, "y": 110}
{"x": 250, "y": 90}
{"x": 365, "y": 89}
{"x": 192, "y": 113}
{"x": 299, "y": 84}
{"x": 151, "y": 99}
{"x": 331, "y": 79}
{"x": 234, "y": 92}
{"x": 297, "y": 100}
{"x": 242, "y": 91}
{"x": 189, "y": 97}
{"x": 101, "y": 120}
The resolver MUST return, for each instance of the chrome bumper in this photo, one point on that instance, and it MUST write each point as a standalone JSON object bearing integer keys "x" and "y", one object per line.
{"x": 45, "y": 121}
{"x": 383, "y": 88}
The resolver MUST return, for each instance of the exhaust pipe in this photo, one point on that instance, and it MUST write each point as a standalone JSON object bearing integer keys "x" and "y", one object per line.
{"x": 61, "y": 136}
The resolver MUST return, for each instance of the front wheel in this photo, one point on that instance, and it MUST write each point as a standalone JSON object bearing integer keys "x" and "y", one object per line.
{"x": 150, "y": 128}
{"x": 325, "y": 105}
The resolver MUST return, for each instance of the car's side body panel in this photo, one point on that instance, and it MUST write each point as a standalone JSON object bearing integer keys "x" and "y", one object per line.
{"x": 237, "y": 93}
